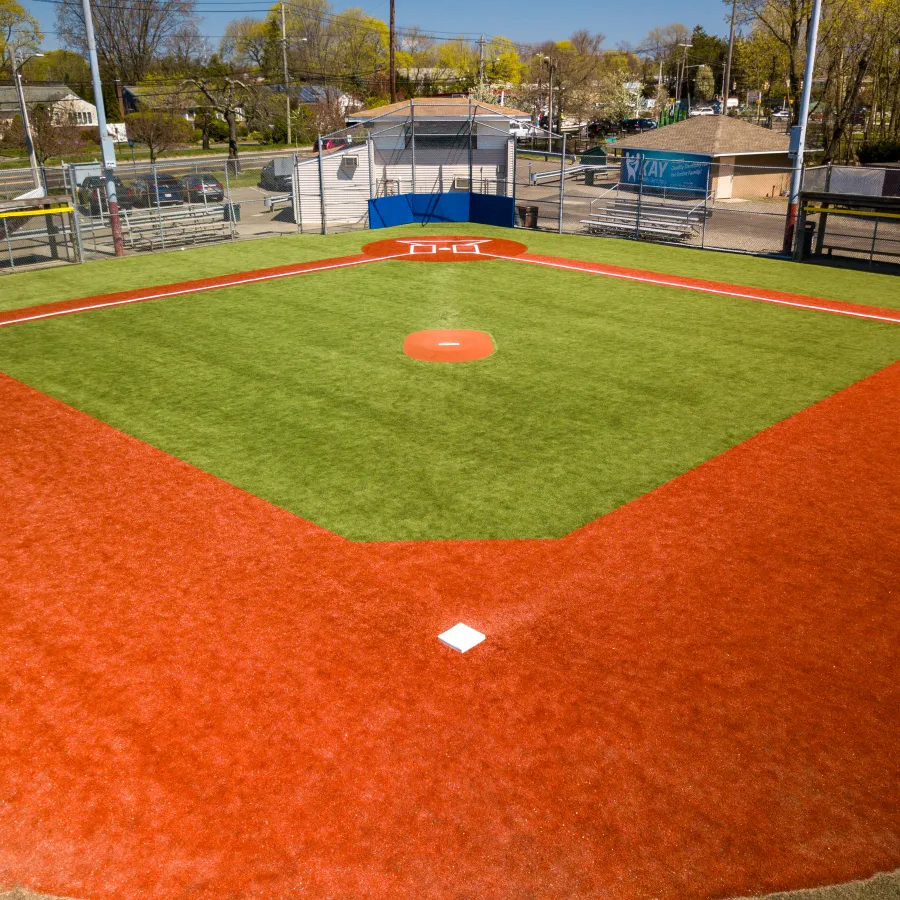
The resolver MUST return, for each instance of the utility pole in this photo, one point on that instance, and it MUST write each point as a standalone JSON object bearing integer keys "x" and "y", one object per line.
{"x": 287, "y": 87}
{"x": 26, "y": 125}
{"x": 480, "y": 64}
{"x": 726, "y": 84}
{"x": 393, "y": 61}
{"x": 106, "y": 145}
{"x": 798, "y": 132}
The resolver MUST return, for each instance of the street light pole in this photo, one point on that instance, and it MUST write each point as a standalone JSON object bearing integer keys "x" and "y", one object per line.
{"x": 287, "y": 90}
{"x": 798, "y": 132}
{"x": 106, "y": 146}
{"x": 26, "y": 125}
{"x": 393, "y": 61}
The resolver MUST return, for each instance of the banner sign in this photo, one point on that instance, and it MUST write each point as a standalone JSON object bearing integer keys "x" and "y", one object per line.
{"x": 665, "y": 169}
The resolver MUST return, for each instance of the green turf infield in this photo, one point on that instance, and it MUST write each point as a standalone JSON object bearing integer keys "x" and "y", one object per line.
{"x": 297, "y": 390}
{"x": 106, "y": 276}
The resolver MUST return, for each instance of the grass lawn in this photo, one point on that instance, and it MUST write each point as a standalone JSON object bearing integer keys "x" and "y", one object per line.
{"x": 105, "y": 276}
{"x": 297, "y": 390}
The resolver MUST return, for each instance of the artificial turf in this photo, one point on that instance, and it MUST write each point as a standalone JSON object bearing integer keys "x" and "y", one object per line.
{"x": 297, "y": 390}
{"x": 105, "y": 276}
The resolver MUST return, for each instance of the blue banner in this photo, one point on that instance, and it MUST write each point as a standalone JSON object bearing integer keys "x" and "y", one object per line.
{"x": 666, "y": 170}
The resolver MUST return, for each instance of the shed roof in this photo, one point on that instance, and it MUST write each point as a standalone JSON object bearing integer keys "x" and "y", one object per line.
{"x": 713, "y": 135}
{"x": 34, "y": 94}
{"x": 440, "y": 108}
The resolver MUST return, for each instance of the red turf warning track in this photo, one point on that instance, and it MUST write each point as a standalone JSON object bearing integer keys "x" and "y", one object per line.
{"x": 205, "y": 697}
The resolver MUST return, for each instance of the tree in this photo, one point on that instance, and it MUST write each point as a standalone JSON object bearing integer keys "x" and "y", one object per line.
{"x": 157, "y": 130}
{"x": 704, "y": 83}
{"x": 52, "y": 134}
{"x": 130, "y": 36}
{"x": 18, "y": 28}
{"x": 249, "y": 43}
{"x": 225, "y": 92}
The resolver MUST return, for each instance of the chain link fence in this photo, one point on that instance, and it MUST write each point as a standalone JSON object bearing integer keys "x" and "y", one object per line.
{"x": 734, "y": 207}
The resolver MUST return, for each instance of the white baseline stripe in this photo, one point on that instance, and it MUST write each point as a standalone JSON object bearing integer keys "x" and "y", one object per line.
{"x": 707, "y": 290}
{"x": 197, "y": 290}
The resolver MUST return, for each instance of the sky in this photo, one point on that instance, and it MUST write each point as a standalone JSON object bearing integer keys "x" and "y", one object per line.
{"x": 526, "y": 21}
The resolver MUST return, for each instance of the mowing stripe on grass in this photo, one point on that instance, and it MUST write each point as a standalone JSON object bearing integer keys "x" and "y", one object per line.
{"x": 709, "y": 287}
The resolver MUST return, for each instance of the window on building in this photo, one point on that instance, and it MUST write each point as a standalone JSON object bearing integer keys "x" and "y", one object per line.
{"x": 448, "y": 135}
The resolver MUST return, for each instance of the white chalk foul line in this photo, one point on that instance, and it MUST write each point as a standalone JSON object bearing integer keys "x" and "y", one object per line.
{"x": 693, "y": 287}
{"x": 198, "y": 290}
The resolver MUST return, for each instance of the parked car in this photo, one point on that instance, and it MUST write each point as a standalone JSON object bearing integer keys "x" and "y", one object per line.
{"x": 335, "y": 143}
{"x": 92, "y": 194}
{"x": 701, "y": 111}
{"x": 521, "y": 129}
{"x": 637, "y": 126}
{"x": 781, "y": 115}
{"x": 601, "y": 127}
{"x": 203, "y": 187}
{"x": 158, "y": 190}
{"x": 277, "y": 174}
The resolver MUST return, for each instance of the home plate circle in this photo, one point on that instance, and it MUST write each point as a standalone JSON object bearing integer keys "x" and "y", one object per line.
{"x": 448, "y": 346}
{"x": 445, "y": 249}
{"x": 461, "y": 637}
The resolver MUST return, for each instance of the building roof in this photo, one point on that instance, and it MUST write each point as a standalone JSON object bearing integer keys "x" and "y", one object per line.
{"x": 712, "y": 135}
{"x": 34, "y": 94}
{"x": 440, "y": 108}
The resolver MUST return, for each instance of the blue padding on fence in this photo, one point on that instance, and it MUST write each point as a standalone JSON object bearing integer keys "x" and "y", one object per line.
{"x": 487, "y": 209}
{"x": 405, "y": 209}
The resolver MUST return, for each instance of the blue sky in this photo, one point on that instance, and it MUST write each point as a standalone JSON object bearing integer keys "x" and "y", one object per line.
{"x": 524, "y": 20}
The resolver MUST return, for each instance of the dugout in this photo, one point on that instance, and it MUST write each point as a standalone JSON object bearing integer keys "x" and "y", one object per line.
{"x": 854, "y": 228}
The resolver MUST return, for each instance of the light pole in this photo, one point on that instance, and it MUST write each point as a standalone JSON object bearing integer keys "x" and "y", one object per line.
{"x": 726, "y": 83}
{"x": 107, "y": 148}
{"x": 23, "y": 109}
{"x": 798, "y": 132}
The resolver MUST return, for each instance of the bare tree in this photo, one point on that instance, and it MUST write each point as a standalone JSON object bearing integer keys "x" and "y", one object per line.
{"x": 130, "y": 36}
{"x": 226, "y": 93}
{"x": 158, "y": 130}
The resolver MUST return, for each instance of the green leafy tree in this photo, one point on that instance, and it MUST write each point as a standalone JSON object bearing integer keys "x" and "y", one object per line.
{"x": 704, "y": 83}
{"x": 19, "y": 29}
{"x": 158, "y": 130}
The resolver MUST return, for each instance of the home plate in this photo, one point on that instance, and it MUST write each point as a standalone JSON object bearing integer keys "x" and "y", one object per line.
{"x": 461, "y": 637}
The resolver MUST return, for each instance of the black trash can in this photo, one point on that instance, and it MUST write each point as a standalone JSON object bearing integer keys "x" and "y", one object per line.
{"x": 531, "y": 216}
{"x": 589, "y": 177}
{"x": 809, "y": 232}
{"x": 231, "y": 212}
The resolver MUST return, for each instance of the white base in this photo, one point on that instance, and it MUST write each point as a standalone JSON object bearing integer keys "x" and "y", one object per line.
{"x": 461, "y": 637}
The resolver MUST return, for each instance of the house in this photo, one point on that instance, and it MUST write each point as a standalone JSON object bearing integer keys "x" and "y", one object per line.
{"x": 310, "y": 94}
{"x": 426, "y": 145}
{"x": 68, "y": 108}
{"x": 742, "y": 160}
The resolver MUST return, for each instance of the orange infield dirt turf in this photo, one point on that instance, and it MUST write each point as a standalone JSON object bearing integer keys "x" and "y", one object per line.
{"x": 206, "y": 697}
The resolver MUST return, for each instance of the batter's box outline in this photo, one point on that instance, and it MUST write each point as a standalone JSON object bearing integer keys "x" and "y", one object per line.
{"x": 432, "y": 247}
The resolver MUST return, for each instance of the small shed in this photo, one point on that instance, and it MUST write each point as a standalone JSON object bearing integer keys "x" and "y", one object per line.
{"x": 746, "y": 161}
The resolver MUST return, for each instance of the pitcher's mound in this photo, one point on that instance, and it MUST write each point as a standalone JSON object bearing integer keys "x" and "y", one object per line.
{"x": 448, "y": 346}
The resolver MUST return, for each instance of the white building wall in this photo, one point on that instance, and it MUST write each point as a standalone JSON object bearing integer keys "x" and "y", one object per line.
{"x": 378, "y": 172}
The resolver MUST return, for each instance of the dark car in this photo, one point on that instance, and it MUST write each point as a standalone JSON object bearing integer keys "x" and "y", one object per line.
{"x": 203, "y": 187}
{"x": 637, "y": 126}
{"x": 159, "y": 190}
{"x": 601, "y": 127}
{"x": 92, "y": 194}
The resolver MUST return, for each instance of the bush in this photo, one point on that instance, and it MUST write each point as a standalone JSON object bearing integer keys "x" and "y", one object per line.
{"x": 218, "y": 131}
{"x": 875, "y": 152}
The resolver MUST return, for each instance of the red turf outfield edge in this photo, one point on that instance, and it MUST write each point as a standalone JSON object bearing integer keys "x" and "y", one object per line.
{"x": 695, "y": 696}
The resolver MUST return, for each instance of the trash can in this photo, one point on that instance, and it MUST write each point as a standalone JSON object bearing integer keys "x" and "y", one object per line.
{"x": 809, "y": 232}
{"x": 521, "y": 212}
{"x": 589, "y": 177}
{"x": 531, "y": 216}
{"x": 231, "y": 212}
